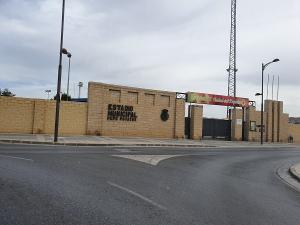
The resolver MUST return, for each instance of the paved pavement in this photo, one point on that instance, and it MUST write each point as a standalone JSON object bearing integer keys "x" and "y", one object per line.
{"x": 138, "y": 185}
{"x": 129, "y": 141}
{"x": 97, "y": 140}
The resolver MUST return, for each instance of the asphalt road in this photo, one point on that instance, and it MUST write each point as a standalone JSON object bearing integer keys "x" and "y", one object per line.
{"x": 135, "y": 186}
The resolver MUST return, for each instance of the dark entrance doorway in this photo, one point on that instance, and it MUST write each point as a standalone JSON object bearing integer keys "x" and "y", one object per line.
{"x": 187, "y": 128}
{"x": 216, "y": 129}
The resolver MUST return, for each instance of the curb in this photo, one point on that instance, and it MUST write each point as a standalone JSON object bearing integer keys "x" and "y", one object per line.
{"x": 106, "y": 145}
{"x": 293, "y": 172}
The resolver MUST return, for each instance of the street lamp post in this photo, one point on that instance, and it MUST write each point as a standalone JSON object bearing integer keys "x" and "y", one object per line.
{"x": 59, "y": 73}
{"x": 80, "y": 85}
{"x": 263, "y": 67}
{"x": 48, "y": 93}
{"x": 69, "y": 56}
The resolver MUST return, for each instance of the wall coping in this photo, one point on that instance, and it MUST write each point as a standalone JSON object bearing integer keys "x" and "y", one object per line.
{"x": 40, "y": 100}
{"x": 131, "y": 88}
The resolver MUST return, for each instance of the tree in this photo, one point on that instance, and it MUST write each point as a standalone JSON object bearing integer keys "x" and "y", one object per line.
{"x": 7, "y": 93}
{"x": 64, "y": 97}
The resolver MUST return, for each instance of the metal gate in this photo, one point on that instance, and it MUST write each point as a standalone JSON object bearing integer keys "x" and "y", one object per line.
{"x": 216, "y": 128}
{"x": 187, "y": 128}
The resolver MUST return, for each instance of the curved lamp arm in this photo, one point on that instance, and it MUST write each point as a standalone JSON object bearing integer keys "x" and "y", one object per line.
{"x": 265, "y": 65}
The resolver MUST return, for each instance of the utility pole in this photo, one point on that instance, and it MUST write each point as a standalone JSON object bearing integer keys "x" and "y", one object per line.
{"x": 263, "y": 67}
{"x": 268, "y": 86}
{"x": 277, "y": 88}
{"x": 232, "y": 55}
{"x": 273, "y": 88}
{"x": 69, "y": 56}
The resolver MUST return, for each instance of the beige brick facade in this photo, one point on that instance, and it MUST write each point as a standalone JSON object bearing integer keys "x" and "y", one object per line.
{"x": 72, "y": 121}
{"x": 284, "y": 128}
{"x": 253, "y": 116}
{"x": 294, "y": 132}
{"x": 16, "y": 115}
{"x": 36, "y": 116}
{"x": 114, "y": 110}
{"x": 147, "y": 105}
{"x": 277, "y": 128}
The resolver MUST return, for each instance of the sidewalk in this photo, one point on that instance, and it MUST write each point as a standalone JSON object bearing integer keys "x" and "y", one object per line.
{"x": 295, "y": 171}
{"x": 98, "y": 141}
{"x": 131, "y": 141}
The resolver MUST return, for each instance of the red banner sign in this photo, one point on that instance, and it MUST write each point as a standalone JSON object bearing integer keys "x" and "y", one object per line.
{"x": 202, "y": 98}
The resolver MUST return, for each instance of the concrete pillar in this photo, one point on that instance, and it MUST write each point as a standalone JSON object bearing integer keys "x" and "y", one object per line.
{"x": 269, "y": 120}
{"x": 247, "y": 120}
{"x": 95, "y": 109}
{"x": 196, "y": 114}
{"x": 179, "y": 118}
{"x": 236, "y": 124}
{"x": 280, "y": 119}
{"x": 275, "y": 122}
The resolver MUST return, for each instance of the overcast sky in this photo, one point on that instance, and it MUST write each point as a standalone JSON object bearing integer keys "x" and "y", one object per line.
{"x": 159, "y": 44}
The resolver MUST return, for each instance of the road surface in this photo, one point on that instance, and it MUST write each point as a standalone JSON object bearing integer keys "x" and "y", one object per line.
{"x": 135, "y": 186}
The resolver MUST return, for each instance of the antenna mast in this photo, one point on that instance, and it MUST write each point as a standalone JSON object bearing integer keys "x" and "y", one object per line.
{"x": 232, "y": 55}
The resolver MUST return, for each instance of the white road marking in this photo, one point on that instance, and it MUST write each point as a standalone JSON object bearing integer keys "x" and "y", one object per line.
{"x": 150, "y": 159}
{"x": 13, "y": 157}
{"x": 137, "y": 195}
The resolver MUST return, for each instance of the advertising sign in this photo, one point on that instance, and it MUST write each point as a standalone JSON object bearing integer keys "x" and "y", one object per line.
{"x": 211, "y": 99}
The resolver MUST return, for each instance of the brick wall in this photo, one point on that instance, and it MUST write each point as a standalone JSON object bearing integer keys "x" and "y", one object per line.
{"x": 284, "y": 128}
{"x": 16, "y": 115}
{"x": 147, "y": 104}
{"x": 24, "y": 115}
{"x": 253, "y": 116}
{"x": 276, "y": 122}
{"x": 294, "y": 131}
{"x": 72, "y": 119}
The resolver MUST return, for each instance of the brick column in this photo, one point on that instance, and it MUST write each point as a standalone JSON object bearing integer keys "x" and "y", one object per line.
{"x": 269, "y": 120}
{"x": 236, "y": 124}
{"x": 179, "y": 118}
{"x": 280, "y": 119}
{"x": 247, "y": 120}
{"x": 196, "y": 113}
{"x": 275, "y": 121}
{"x": 95, "y": 109}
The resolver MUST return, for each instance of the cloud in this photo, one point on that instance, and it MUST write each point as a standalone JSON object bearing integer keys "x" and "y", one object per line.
{"x": 158, "y": 44}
